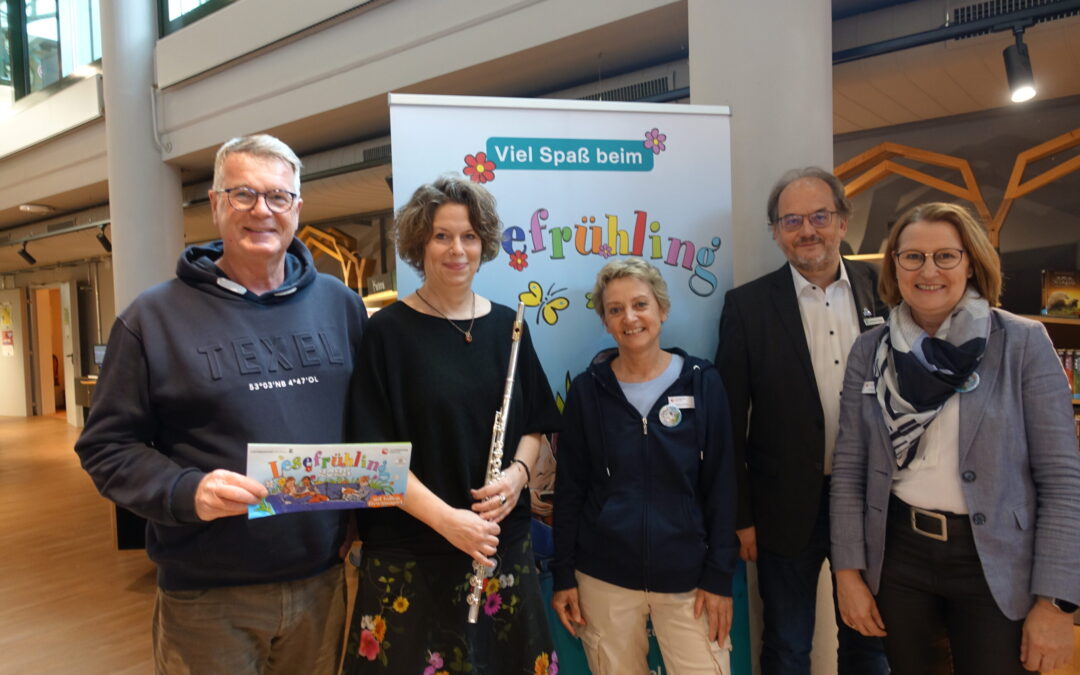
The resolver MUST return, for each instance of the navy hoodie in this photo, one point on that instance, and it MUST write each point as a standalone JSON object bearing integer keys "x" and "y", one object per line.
{"x": 639, "y": 504}
{"x": 198, "y": 367}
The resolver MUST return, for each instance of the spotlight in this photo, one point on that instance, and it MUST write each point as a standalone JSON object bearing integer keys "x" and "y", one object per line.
{"x": 36, "y": 209}
{"x": 25, "y": 255}
{"x": 104, "y": 240}
{"x": 1018, "y": 69}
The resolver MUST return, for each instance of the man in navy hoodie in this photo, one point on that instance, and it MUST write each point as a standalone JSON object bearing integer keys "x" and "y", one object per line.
{"x": 249, "y": 344}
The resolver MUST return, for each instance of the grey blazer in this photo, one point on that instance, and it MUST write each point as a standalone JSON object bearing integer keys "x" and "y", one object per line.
{"x": 1019, "y": 469}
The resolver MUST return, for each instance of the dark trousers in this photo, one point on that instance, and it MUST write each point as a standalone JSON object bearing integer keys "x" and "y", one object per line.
{"x": 788, "y": 587}
{"x": 938, "y": 611}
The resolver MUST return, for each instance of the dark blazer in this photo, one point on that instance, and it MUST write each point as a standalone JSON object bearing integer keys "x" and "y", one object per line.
{"x": 764, "y": 361}
{"x": 1019, "y": 469}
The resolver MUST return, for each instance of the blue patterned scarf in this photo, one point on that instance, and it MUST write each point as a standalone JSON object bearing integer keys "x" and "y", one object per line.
{"x": 915, "y": 374}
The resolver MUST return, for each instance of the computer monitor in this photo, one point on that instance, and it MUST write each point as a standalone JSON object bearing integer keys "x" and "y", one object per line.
{"x": 99, "y": 355}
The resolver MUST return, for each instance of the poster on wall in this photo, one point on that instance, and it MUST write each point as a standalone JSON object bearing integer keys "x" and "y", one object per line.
{"x": 579, "y": 183}
{"x": 7, "y": 330}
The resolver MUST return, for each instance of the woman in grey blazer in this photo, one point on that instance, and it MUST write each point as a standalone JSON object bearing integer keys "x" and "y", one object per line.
{"x": 955, "y": 497}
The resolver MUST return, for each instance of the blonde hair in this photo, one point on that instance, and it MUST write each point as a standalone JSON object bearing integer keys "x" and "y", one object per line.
{"x": 632, "y": 268}
{"x": 985, "y": 263}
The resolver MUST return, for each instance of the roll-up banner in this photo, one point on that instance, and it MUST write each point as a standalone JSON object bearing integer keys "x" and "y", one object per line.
{"x": 579, "y": 183}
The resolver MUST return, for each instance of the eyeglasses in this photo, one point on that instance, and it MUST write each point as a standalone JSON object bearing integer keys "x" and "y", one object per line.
{"x": 944, "y": 258}
{"x": 245, "y": 199}
{"x": 789, "y": 222}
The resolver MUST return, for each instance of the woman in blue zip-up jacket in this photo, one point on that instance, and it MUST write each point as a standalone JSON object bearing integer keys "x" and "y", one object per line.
{"x": 645, "y": 493}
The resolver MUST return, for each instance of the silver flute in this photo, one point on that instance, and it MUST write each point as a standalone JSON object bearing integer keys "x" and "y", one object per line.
{"x": 494, "y": 472}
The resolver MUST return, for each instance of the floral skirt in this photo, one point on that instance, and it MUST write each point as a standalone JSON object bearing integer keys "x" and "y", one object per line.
{"x": 411, "y": 617}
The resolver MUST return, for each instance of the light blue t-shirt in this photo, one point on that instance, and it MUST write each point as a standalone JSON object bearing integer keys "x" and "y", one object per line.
{"x": 642, "y": 395}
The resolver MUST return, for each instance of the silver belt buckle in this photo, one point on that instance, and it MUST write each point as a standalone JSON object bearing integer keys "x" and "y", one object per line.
{"x": 944, "y": 536}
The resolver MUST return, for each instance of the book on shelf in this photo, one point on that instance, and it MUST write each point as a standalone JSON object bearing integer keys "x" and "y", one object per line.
{"x": 1061, "y": 293}
{"x": 1070, "y": 363}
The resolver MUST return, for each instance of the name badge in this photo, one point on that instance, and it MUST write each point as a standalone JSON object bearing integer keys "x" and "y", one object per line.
{"x": 670, "y": 416}
{"x": 683, "y": 402}
{"x": 869, "y": 387}
{"x": 873, "y": 320}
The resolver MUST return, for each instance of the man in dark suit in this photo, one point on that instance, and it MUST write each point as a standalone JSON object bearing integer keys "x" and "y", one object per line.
{"x": 784, "y": 341}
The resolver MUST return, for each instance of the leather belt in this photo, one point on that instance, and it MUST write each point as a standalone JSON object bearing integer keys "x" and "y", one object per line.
{"x": 926, "y": 522}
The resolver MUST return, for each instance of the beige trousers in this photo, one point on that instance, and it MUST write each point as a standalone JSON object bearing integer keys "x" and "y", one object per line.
{"x": 617, "y": 643}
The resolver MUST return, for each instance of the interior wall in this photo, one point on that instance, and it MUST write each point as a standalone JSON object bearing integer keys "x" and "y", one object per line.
{"x": 14, "y": 362}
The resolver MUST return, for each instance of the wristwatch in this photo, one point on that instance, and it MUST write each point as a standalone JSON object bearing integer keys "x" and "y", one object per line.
{"x": 1063, "y": 605}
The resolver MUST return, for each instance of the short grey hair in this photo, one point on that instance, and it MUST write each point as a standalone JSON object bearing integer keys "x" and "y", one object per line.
{"x": 258, "y": 145}
{"x": 840, "y": 200}
{"x": 630, "y": 268}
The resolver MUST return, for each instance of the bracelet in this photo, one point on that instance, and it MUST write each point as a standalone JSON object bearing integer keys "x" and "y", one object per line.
{"x": 528, "y": 474}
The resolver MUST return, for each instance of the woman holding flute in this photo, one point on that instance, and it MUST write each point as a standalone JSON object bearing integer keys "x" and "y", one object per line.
{"x": 432, "y": 370}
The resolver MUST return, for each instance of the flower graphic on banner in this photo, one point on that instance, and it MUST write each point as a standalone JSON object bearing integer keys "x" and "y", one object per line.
{"x": 549, "y": 305}
{"x": 519, "y": 260}
{"x": 654, "y": 140}
{"x": 479, "y": 168}
{"x": 605, "y": 251}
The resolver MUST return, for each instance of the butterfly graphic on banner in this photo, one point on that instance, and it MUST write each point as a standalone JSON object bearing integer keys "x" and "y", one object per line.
{"x": 548, "y": 305}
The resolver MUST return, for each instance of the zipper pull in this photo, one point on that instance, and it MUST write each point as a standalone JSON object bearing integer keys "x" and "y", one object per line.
{"x": 644, "y": 426}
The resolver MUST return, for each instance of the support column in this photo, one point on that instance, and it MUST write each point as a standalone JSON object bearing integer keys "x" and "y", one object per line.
{"x": 144, "y": 192}
{"x": 771, "y": 61}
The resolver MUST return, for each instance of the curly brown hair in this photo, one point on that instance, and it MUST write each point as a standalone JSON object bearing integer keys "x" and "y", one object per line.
{"x": 413, "y": 224}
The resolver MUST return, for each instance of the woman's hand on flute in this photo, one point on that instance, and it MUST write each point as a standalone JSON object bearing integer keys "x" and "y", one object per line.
{"x": 472, "y": 534}
{"x": 496, "y": 501}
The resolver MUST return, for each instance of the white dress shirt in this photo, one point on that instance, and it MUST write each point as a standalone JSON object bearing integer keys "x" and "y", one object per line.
{"x": 831, "y": 324}
{"x": 932, "y": 480}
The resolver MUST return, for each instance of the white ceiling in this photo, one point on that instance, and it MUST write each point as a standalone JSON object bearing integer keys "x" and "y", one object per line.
{"x": 938, "y": 80}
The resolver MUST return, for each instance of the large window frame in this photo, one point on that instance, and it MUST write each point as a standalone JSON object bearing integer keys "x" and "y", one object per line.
{"x": 77, "y": 43}
{"x": 167, "y": 26}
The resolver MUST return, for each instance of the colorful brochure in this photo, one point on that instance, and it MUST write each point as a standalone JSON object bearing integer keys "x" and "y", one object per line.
{"x": 330, "y": 476}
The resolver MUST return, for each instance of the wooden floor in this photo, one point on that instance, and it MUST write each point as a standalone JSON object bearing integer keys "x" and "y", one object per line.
{"x": 69, "y": 601}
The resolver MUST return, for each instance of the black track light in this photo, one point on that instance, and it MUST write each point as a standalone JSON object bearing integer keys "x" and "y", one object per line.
{"x": 103, "y": 239}
{"x": 1018, "y": 69}
{"x": 25, "y": 255}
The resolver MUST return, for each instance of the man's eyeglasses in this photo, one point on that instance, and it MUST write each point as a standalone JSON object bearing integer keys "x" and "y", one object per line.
{"x": 790, "y": 222}
{"x": 944, "y": 258}
{"x": 245, "y": 199}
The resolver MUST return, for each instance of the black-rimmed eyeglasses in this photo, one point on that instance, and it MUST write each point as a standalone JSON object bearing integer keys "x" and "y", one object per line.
{"x": 789, "y": 222}
{"x": 245, "y": 199}
{"x": 944, "y": 258}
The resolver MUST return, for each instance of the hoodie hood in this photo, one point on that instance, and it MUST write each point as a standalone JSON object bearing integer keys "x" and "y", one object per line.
{"x": 197, "y": 267}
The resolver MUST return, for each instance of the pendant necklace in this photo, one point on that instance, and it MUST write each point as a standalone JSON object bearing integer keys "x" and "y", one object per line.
{"x": 472, "y": 320}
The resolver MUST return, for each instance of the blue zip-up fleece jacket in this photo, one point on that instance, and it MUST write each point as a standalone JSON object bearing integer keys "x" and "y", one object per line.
{"x": 639, "y": 504}
{"x": 197, "y": 368}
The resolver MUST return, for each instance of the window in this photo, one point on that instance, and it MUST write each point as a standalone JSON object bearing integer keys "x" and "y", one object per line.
{"x": 44, "y": 41}
{"x": 175, "y": 14}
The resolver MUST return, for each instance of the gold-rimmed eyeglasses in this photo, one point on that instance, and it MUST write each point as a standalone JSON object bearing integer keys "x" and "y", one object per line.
{"x": 945, "y": 258}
